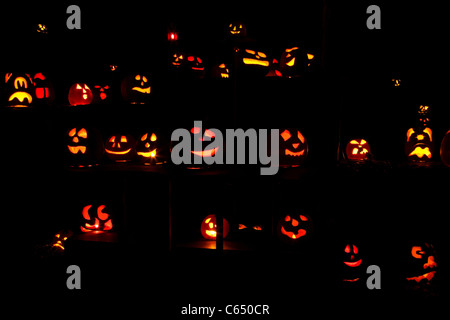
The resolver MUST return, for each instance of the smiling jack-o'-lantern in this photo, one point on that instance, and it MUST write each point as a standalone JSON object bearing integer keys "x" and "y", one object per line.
{"x": 209, "y": 227}
{"x": 352, "y": 262}
{"x": 419, "y": 144}
{"x": 293, "y": 227}
{"x": 136, "y": 88}
{"x": 19, "y": 90}
{"x": 96, "y": 218}
{"x": 357, "y": 150}
{"x": 445, "y": 149}
{"x": 293, "y": 147}
{"x": 120, "y": 147}
{"x": 422, "y": 266}
{"x": 148, "y": 148}
{"x": 221, "y": 71}
{"x": 294, "y": 62}
{"x": 80, "y": 94}
{"x": 237, "y": 29}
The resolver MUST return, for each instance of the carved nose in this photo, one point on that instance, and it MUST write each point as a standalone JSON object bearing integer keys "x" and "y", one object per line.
{"x": 295, "y": 145}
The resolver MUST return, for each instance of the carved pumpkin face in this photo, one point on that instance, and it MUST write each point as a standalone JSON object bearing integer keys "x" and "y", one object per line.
{"x": 19, "y": 90}
{"x": 445, "y": 149}
{"x": 293, "y": 147}
{"x": 78, "y": 143}
{"x": 255, "y": 58}
{"x": 120, "y": 148}
{"x": 43, "y": 88}
{"x": 59, "y": 240}
{"x": 237, "y": 29}
{"x": 80, "y": 94}
{"x": 292, "y": 227}
{"x": 422, "y": 263}
{"x": 96, "y": 218}
{"x": 294, "y": 62}
{"x": 177, "y": 59}
{"x": 419, "y": 144}
{"x": 101, "y": 93}
{"x": 205, "y": 151}
{"x": 351, "y": 263}
{"x": 136, "y": 88}
{"x": 83, "y": 147}
{"x": 147, "y": 148}
{"x": 357, "y": 150}
{"x": 209, "y": 227}
{"x": 221, "y": 71}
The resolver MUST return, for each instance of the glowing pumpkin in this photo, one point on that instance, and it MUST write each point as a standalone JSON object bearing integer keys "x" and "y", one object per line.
{"x": 255, "y": 58}
{"x": 83, "y": 147}
{"x": 294, "y": 62}
{"x": 419, "y": 144}
{"x": 352, "y": 262}
{"x": 80, "y": 94}
{"x": 445, "y": 149}
{"x": 136, "y": 88}
{"x": 292, "y": 228}
{"x": 95, "y": 218}
{"x": 209, "y": 227}
{"x": 237, "y": 29}
{"x": 293, "y": 147}
{"x": 120, "y": 148}
{"x": 422, "y": 265}
{"x": 19, "y": 90}
{"x": 357, "y": 150}
{"x": 44, "y": 91}
{"x": 147, "y": 148}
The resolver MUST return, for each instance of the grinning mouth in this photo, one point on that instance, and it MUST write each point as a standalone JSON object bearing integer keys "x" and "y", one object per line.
{"x": 141, "y": 90}
{"x": 427, "y": 276}
{"x": 21, "y": 96}
{"x": 292, "y": 235}
{"x": 255, "y": 61}
{"x": 76, "y": 149}
{"x": 118, "y": 152}
{"x": 353, "y": 264}
{"x": 420, "y": 152}
{"x": 295, "y": 154}
{"x": 206, "y": 153}
{"x": 149, "y": 154}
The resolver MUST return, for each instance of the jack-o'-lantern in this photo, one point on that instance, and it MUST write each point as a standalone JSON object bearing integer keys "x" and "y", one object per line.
{"x": 120, "y": 148}
{"x": 357, "y": 150}
{"x": 80, "y": 94}
{"x": 293, "y": 147}
{"x": 96, "y": 218}
{"x": 148, "y": 148}
{"x": 445, "y": 149}
{"x": 422, "y": 264}
{"x": 352, "y": 262}
{"x": 424, "y": 115}
{"x": 221, "y": 71}
{"x": 101, "y": 93}
{"x": 292, "y": 228}
{"x": 255, "y": 58}
{"x": 41, "y": 28}
{"x": 59, "y": 240}
{"x": 419, "y": 144}
{"x": 206, "y": 137}
{"x": 209, "y": 227}
{"x": 294, "y": 62}
{"x": 237, "y": 29}
{"x": 44, "y": 91}
{"x": 396, "y": 82}
{"x": 136, "y": 88}
{"x": 194, "y": 66}
{"x": 177, "y": 59}
{"x": 19, "y": 90}
{"x": 83, "y": 147}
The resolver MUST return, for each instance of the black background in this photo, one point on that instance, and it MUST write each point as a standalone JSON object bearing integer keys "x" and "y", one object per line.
{"x": 384, "y": 207}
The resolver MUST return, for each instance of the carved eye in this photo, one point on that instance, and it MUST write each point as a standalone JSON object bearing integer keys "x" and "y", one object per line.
{"x": 123, "y": 139}
{"x": 285, "y": 135}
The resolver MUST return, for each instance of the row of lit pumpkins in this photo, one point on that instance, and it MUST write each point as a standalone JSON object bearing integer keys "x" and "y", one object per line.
{"x": 21, "y": 90}
{"x": 291, "y": 229}
{"x": 84, "y": 147}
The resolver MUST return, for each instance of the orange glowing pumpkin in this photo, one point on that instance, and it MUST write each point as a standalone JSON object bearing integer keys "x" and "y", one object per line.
{"x": 357, "y": 150}
{"x": 80, "y": 94}
{"x": 19, "y": 90}
{"x": 96, "y": 219}
{"x": 291, "y": 228}
{"x": 209, "y": 227}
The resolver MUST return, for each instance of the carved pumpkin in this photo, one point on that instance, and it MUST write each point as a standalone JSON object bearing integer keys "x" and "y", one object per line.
{"x": 255, "y": 58}
{"x": 80, "y": 94}
{"x": 205, "y": 151}
{"x": 357, "y": 150}
{"x": 445, "y": 149}
{"x": 19, "y": 90}
{"x": 96, "y": 218}
{"x": 293, "y": 147}
{"x": 421, "y": 265}
{"x": 352, "y": 262}
{"x": 209, "y": 227}
{"x": 136, "y": 88}
{"x": 59, "y": 240}
{"x": 148, "y": 148}
{"x": 237, "y": 29}
{"x": 120, "y": 148}
{"x": 83, "y": 147}
{"x": 44, "y": 91}
{"x": 101, "y": 93}
{"x": 419, "y": 144}
{"x": 221, "y": 71}
{"x": 292, "y": 228}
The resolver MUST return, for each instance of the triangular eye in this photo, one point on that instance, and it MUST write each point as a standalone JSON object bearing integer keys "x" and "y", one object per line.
{"x": 347, "y": 249}
{"x": 78, "y": 86}
{"x": 72, "y": 132}
{"x": 285, "y": 135}
{"x": 106, "y": 87}
{"x": 355, "y": 249}
{"x": 300, "y": 136}
{"x": 86, "y": 87}
{"x": 82, "y": 133}
{"x": 144, "y": 137}
{"x": 153, "y": 137}
{"x": 144, "y": 79}
{"x": 123, "y": 139}
{"x": 303, "y": 218}
{"x": 112, "y": 139}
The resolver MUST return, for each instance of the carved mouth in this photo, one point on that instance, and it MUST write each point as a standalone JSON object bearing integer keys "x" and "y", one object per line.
{"x": 256, "y": 62}
{"x": 295, "y": 154}
{"x": 21, "y": 96}
{"x": 118, "y": 152}
{"x": 206, "y": 153}
{"x": 149, "y": 154}
{"x": 420, "y": 152}
{"x": 353, "y": 264}
{"x": 428, "y": 276}
{"x": 76, "y": 149}
{"x": 142, "y": 90}
{"x": 292, "y": 235}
